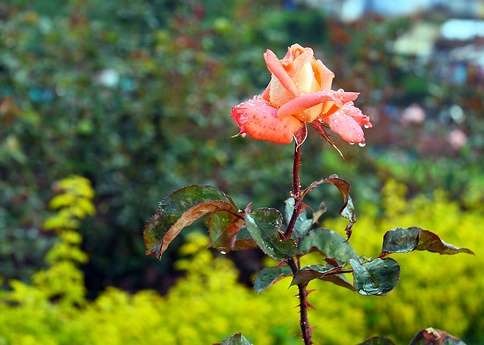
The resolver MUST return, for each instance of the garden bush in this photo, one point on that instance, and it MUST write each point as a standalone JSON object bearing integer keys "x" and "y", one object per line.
{"x": 208, "y": 303}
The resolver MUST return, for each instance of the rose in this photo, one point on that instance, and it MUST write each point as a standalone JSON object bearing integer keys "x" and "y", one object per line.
{"x": 298, "y": 93}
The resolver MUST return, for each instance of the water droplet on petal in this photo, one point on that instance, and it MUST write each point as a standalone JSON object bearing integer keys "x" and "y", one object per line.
{"x": 223, "y": 252}
{"x": 352, "y": 143}
{"x": 361, "y": 144}
{"x": 366, "y": 126}
{"x": 243, "y": 135}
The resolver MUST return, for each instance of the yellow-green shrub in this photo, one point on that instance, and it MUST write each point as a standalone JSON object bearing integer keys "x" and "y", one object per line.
{"x": 434, "y": 290}
{"x": 208, "y": 303}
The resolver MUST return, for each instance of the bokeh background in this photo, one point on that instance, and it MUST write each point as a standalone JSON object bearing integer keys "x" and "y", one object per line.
{"x": 135, "y": 96}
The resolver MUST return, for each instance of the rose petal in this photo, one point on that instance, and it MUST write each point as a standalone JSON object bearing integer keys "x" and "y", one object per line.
{"x": 346, "y": 127}
{"x": 329, "y": 109}
{"x": 349, "y": 96}
{"x": 323, "y": 75}
{"x": 265, "y": 93}
{"x": 259, "y": 120}
{"x": 306, "y": 56}
{"x": 357, "y": 115}
{"x": 343, "y": 97}
{"x": 292, "y": 53}
{"x": 297, "y": 105}
{"x": 303, "y": 76}
{"x": 277, "y": 69}
{"x": 278, "y": 94}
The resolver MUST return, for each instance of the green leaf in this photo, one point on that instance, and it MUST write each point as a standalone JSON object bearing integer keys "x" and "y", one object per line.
{"x": 348, "y": 209}
{"x": 340, "y": 280}
{"x": 303, "y": 223}
{"x": 432, "y": 336}
{"x": 265, "y": 228}
{"x": 225, "y": 234}
{"x": 377, "y": 341}
{"x": 236, "y": 339}
{"x": 270, "y": 275}
{"x": 310, "y": 272}
{"x": 375, "y": 277}
{"x": 179, "y": 210}
{"x": 329, "y": 243}
{"x": 402, "y": 240}
{"x": 323, "y": 272}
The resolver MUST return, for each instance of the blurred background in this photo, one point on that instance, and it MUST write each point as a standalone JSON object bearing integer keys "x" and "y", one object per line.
{"x": 135, "y": 96}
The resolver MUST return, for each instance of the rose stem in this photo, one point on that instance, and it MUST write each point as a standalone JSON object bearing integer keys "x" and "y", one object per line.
{"x": 303, "y": 294}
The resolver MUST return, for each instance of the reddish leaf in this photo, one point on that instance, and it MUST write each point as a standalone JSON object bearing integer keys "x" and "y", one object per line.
{"x": 348, "y": 209}
{"x": 432, "y": 336}
{"x": 225, "y": 233}
{"x": 404, "y": 240}
{"x": 179, "y": 210}
{"x": 324, "y": 272}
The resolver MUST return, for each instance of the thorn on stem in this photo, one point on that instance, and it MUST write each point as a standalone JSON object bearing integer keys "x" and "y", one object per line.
{"x": 310, "y": 291}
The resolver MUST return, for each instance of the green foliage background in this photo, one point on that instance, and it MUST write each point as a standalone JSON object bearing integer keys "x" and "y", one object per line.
{"x": 136, "y": 96}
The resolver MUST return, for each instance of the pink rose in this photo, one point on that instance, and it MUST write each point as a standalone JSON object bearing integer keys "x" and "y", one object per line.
{"x": 457, "y": 139}
{"x": 299, "y": 93}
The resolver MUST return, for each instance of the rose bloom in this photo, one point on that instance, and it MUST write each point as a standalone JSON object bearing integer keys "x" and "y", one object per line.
{"x": 457, "y": 139}
{"x": 413, "y": 114}
{"x": 298, "y": 93}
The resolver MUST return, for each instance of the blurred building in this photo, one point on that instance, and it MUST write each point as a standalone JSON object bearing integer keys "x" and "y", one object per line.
{"x": 454, "y": 48}
{"x": 446, "y": 35}
{"x": 349, "y": 10}
{"x": 419, "y": 41}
